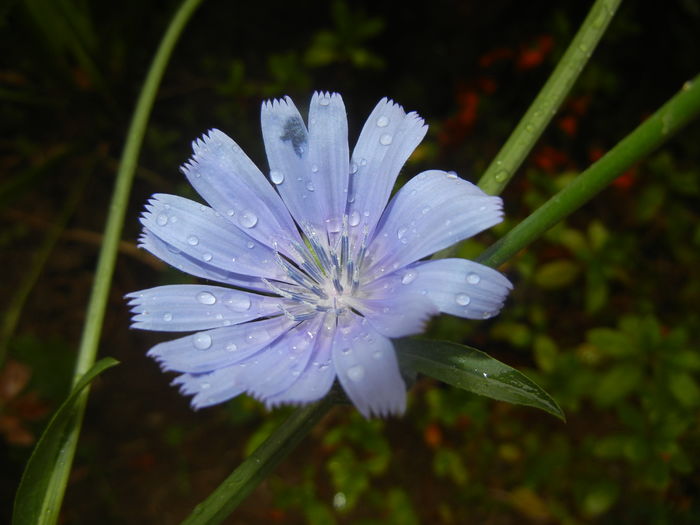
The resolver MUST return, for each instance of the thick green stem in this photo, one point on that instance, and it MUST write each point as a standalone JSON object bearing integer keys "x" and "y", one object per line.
{"x": 539, "y": 114}
{"x": 108, "y": 253}
{"x": 258, "y": 465}
{"x": 657, "y": 129}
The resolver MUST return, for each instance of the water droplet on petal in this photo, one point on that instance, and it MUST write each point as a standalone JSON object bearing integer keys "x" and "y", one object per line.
{"x": 205, "y": 385}
{"x": 354, "y": 219}
{"x": 277, "y": 177}
{"x": 462, "y": 299}
{"x": 324, "y": 100}
{"x": 167, "y": 316}
{"x": 386, "y": 139}
{"x": 310, "y": 186}
{"x": 425, "y": 210}
{"x": 250, "y": 244}
{"x": 400, "y": 233}
{"x": 356, "y": 373}
{"x": 206, "y": 298}
{"x": 363, "y": 162}
{"x": 353, "y": 168}
{"x": 231, "y": 347}
{"x": 193, "y": 240}
{"x": 473, "y": 278}
{"x": 207, "y": 257}
{"x": 347, "y": 350}
{"x": 452, "y": 175}
{"x": 201, "y": 341}
{"x": 248, "y": 219}
{"x": 409, "y": 277}
{"x": 314, "y": 168}
{"x": 382, "y": 122}
{"x": 162, "y": 219}
{"x": 237, "y": 302}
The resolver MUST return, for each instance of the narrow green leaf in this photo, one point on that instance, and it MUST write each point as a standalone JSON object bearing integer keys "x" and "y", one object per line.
{"x": 36, "y": 502}
{"x": 475, "y": 371}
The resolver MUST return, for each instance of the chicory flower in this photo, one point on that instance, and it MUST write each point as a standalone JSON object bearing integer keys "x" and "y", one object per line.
{"x": 319, "y": 272}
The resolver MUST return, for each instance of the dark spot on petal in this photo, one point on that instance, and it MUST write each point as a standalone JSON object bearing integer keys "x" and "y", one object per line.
{"x": 295, "y": 132}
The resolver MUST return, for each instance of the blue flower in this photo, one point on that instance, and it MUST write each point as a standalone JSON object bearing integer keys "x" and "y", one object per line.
{"x": 321, "y": 272}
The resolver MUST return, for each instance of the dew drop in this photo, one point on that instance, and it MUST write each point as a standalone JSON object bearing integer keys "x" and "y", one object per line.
{"x": 486, "y": 315}
{"x": 167, "y": 316}
{"x": 207, "y": 257}
{"x": 314, "y": 168}
{"x": 173, "y": 219}
{"x": 162, "y": 219}
{"x": 230, "y": 213}
{"x": 452, "y": 175}
{"x": 201, "y": 341}
{"x": 354, "y": 219}
{"x": 409, "y": 277}
{"x": 400, "y": 233}
{"x": 382, "y": 122}
{"x": 277, "y": 177}
{"x": 250, "y": 244}
{"x": 425, "y": 210}
{"x": 334, "y": 225}
{"x": 248, "y": 219}
{"x": 347, "y": 350}
{"x": 324, "y": 100}
{"x": 353, "y": 168}
{"x": 356, "y": 373}
{"x": 473, "y": 278}
{"x": 363, "y": 162}
{"x": 231, "y": 347}
{"x": 206, "y": 298}
{"x": 310, "y": 186}
{"x": 386, "y": 139}
{"x": 237, "y": 302}
{"x": 205, "y": 386}
{"x": 462, "y": 299}
{"x": 193, "y": 240}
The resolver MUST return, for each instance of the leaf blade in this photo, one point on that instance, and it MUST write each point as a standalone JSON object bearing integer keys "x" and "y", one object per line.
{"x": 34, "y": 502}
{"x": 474, "y": 371}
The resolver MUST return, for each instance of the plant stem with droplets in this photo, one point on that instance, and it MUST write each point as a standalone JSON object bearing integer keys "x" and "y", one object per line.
{"x": 545, "y": 105}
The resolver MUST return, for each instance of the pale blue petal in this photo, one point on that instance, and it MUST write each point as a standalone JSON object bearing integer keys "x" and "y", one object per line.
{"x": 328, "y": 158}
{"x": 387, "y": 140}
{"x": 394, "y": 311}
{"x": 204, "y": 234}
{"x": 316, "y": 380}
{"x": 229, "y": 181}
{"x": 183, "y": 262}
{"x": 276, "y": 368}
{"x": 456, "y": 286}
{"x": 366, "y": 365}
{"x": 207, "y": 351}
{"x": 211, "y": 388}
{"x": 432, "y": 211}
{"x": 190, "y": 307}
{"x": 287, "y": 147}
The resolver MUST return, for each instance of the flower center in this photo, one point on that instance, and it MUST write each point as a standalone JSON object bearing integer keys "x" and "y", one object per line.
{"x": 326, "y": 275}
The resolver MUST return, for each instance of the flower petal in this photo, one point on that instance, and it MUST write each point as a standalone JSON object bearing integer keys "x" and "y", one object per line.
{"x": 316, "y": 380}
{"x": 394, "y": 311}
{"x": 233, "y": 185}
{"x": 387, "y": 140}
{"x": 220, "y": 347}
{"x": 183, "y": 262}
{"x": 204, "y": 234}
{"x": 366, "y": 364}
{"x": 190, "y": 307}
{"x": 328, "y": 158}
{"x": 456, "y": 286}
{"x": 432, "y": 211}
{"x": 287, "y": 147}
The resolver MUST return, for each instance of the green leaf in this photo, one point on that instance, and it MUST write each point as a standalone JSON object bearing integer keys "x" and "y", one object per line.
{"x": 475, "y": 371}
{"x": 38, "y": 498}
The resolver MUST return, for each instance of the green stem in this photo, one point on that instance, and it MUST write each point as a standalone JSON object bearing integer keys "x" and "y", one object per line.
{"x": 662, "y": 125}
{"x": 108, "y": 253}
{"x": 258, "y": 465}
{"x": 539, "y": 114}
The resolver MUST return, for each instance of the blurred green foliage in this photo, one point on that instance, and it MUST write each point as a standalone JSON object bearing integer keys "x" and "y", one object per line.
{"x": 604, "y": 314}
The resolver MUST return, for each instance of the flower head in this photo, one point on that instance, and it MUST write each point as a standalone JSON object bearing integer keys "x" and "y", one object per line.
{"x": 319, "y": 271}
